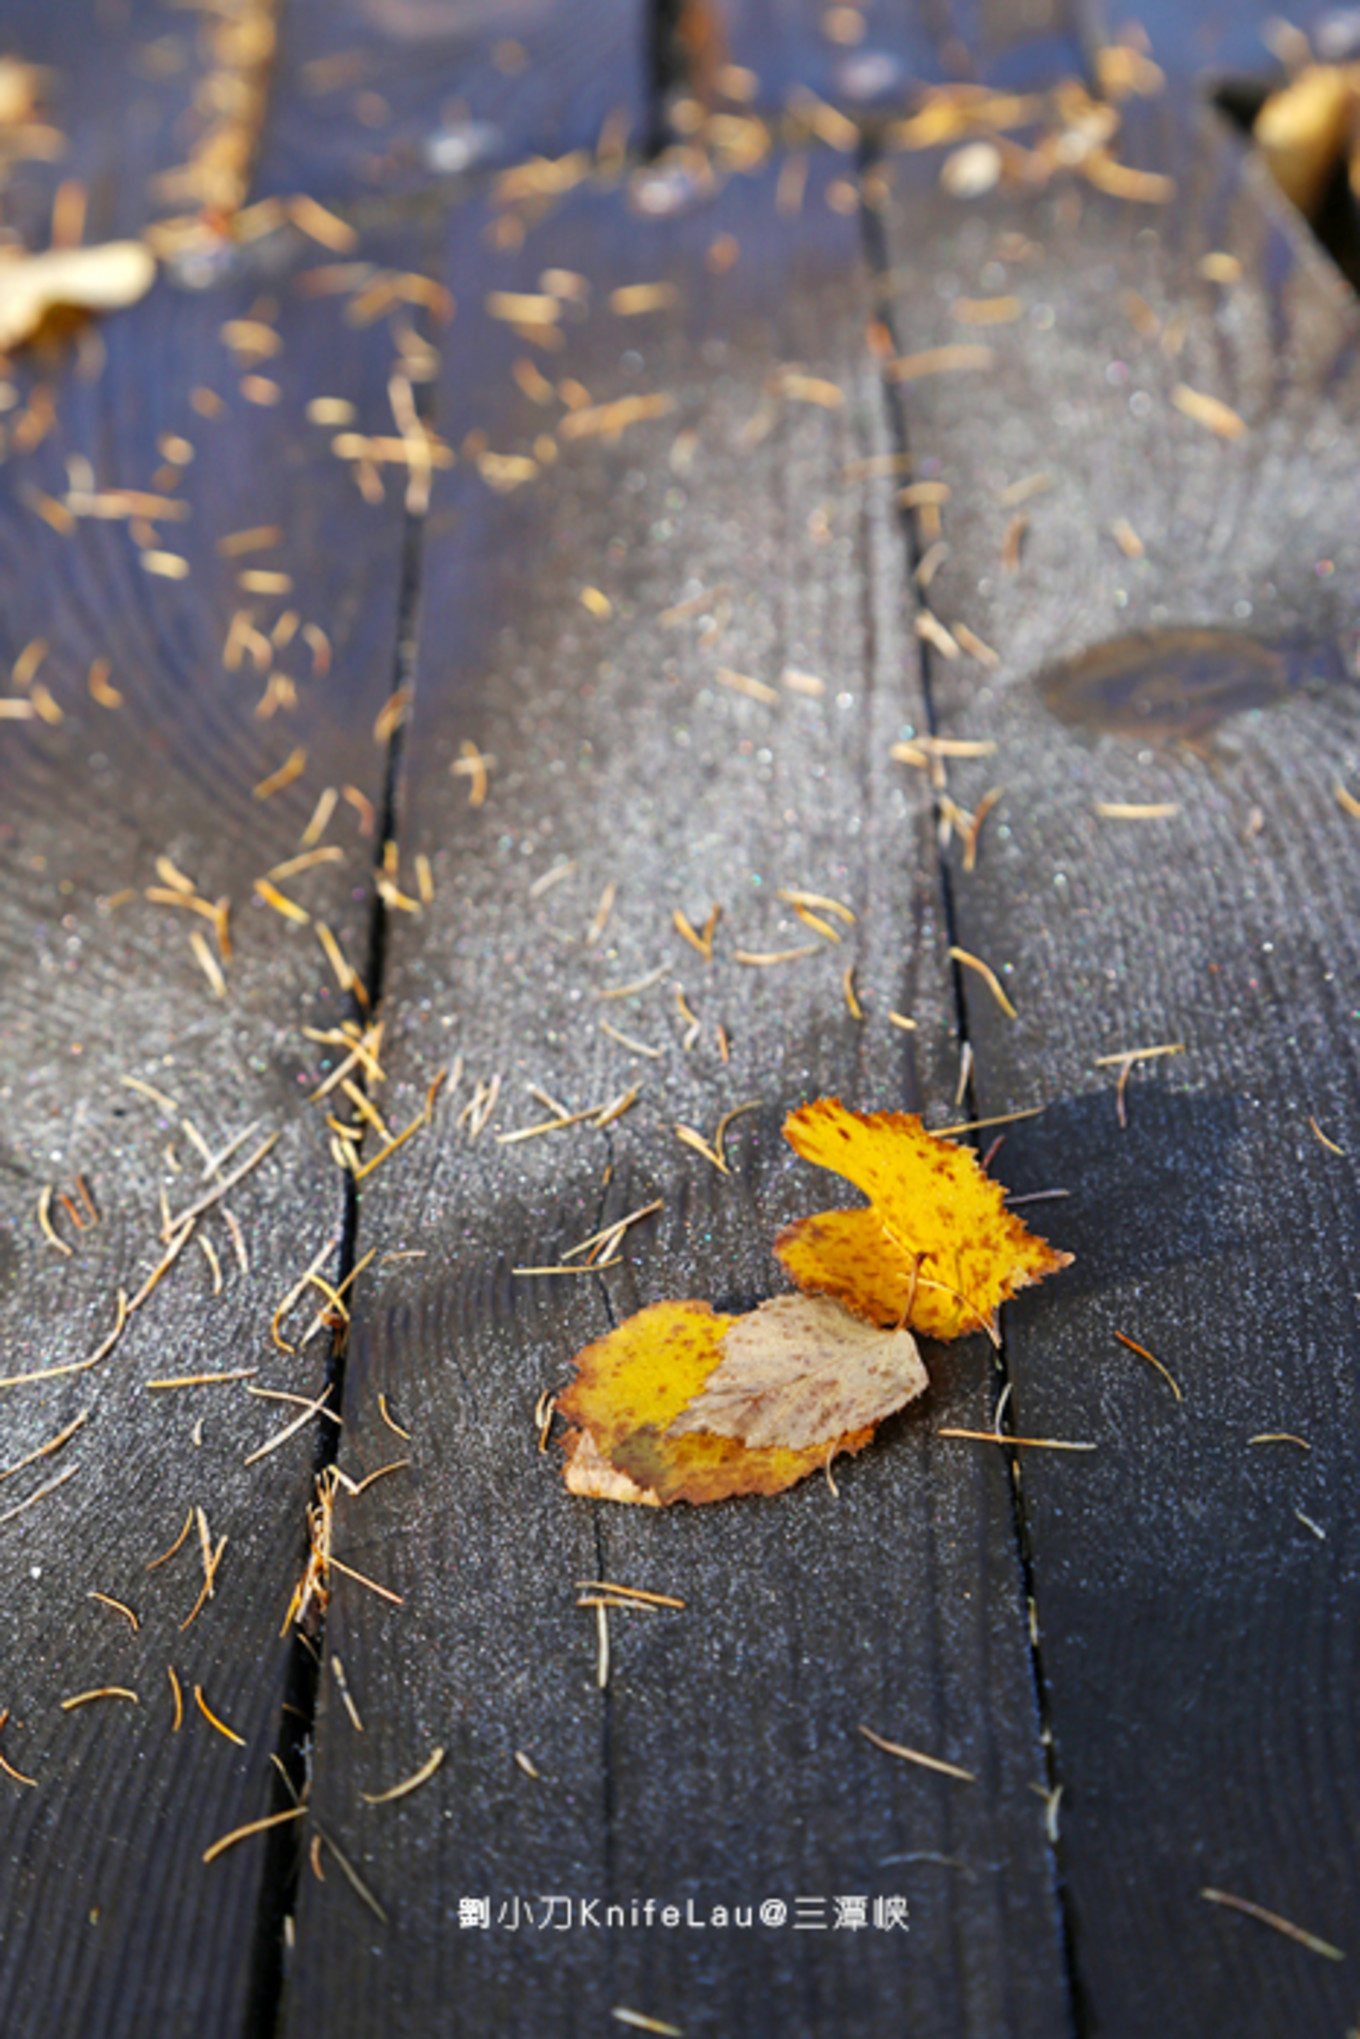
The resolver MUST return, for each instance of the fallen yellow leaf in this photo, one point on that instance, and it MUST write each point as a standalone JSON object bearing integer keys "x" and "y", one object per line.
{"x": 936, "y": 1249}
{"x": 629, "y": 1390}
{"x": 86, "y": 279}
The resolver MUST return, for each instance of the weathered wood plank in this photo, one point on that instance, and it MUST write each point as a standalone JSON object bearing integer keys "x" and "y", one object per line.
{"x": 1210, "y": 42}
{"x": 1195, "y": 1627}
{"x": 873, "y": 57}
{"x": 1014, "y": 47}
{"x": 384, "y": 96}
{"x": 792, "y": 47}
{"x": 113, "y": 1922}
{"x": 122, "y": 97}
{"x": 722, "y": 1763}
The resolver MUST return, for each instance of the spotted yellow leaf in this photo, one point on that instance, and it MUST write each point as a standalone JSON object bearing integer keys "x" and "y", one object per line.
{"x": 625, "y": 1443}
{"x": 936, "y": 1248}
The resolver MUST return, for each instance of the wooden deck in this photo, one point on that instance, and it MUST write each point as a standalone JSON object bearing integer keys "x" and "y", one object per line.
{"x": 1143, "y": 1654}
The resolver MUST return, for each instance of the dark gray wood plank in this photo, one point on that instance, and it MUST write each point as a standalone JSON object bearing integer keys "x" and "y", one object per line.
{"x": 877, "y": 55}
{"x": 790, "y": 47}
{"x": 114, "y": 1923}
{"x": 1196, "y": 1629}
{"x": 121, "y": 97}
{"x": 1015, "y": 47}
{"x": 1211, "y": 42}
{"x": 722, "y": 1764}
{"x": 386, "y": 96}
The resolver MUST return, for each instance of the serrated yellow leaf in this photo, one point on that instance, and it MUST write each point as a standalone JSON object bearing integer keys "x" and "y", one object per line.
{"x": 936, "y": 1249}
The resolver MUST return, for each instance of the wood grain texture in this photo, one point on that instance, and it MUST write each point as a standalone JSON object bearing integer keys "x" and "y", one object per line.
{"x": 723, "y": 1763}
{"x": 114, "y": 1924}
{"x": 387, "y": 96}
{"x": 1210, "y": 42}
{"x": 122, "y": 83}
{"x": 1197, "y": 1632}
{"x": 796, "y": 46}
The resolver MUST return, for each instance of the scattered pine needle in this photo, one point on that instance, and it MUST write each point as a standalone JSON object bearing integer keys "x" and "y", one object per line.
{"x": 700, "y": 939}
{"x": 280, "y": 1437}
{"x": 8, "y": 1768}
{"x": 1152, "y": 1360}
{"x": 627, "y": 1041}
{"x": 99, "y": 1692}
{"x": 352, "y": 1877}
{"x": 988, "y": 976}
{"x": 213, "y": 1721}
{"x": 422, "y": 1119}
{"x": 1330, "y": 1145}
{"x": 752, "y": 1104}
{"x": 1139, "y": 1054}
{"x": 45, "y": 1222}
{"x": 119, "y": 1607}
{"x": 1280, "y": 1437}
{"x": 383, "y": 1592}
{"x": 211, "y": 1561}
{"x": 640, "y": 2022}
{"x": 293, "y": 766}
{"x": 586, "y": 1267}
{"x": 628, "y": 1592}
{"x": 275, "y": 1819}
{"x": 1285, "y": 1926}
{"x": 390, "y": 1420}
{"x": 40, "y": 1494}
{"x": 167, "y": 1104}
{"x": 602, "y": 913}
{"x": 689, "y": 1138}
{"x": 638, "y": 984}
{"x": 980, "y": 1125}
{"x": 203, "y": 1380}
{"x": 1004, "y": 1437}
{"x": 742, "y": 683}
{"x": 1125, "y": 1062}
{"x": 1216, "y": 416}
{"x": 48, "y": 1373}
{"x": 793, "y": 895}
{"x": 357, "y": 1487}
{"x": 608, "y": 1237}
{"x": 551, "y": 878}
{"x": 1130, "y": 810}
{"x": 473, "y": 764}
{"x": 765, "y": 959}
{"x": 817, "y": 924}
{"x": 973, "y": 832}
{"x": 46, "y": 1450}
{"x": 408, "y": 1784}
{"x": 177, "y": 1545}
{"x": 915, "y": 1756}
{"x": 289, "y": 908}
{"x": 173, "y": 1226}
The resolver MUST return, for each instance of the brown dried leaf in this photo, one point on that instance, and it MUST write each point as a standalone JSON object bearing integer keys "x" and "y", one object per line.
{"x": 629, "y": 1389}
{"x": 802, "y": 1371}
